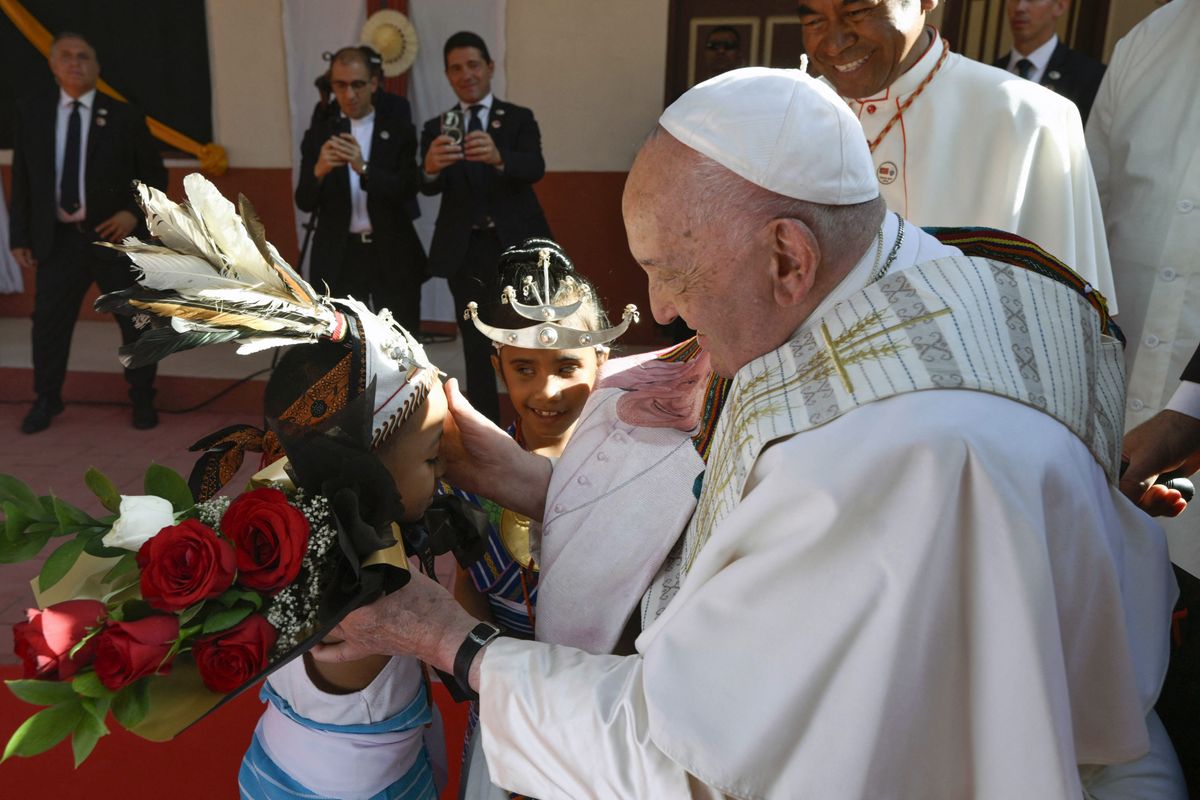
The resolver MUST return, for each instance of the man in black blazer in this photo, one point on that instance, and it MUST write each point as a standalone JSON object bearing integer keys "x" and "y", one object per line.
{"x": 1039, "y": 56}
{"x": 75, "y": 156}
{"x": 358, "y": 172}
{"x": 485, "y": 175}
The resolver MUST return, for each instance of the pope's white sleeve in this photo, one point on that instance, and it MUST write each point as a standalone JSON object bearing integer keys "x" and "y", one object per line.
{"x": 558, "y": 722}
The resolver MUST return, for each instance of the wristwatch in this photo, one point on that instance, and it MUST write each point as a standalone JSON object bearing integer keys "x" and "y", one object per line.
{"x": 479, "y": 637}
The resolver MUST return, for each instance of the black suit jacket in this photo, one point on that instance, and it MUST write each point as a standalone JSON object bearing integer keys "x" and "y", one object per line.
{"x": 390, "y": 183}
{"x": 508, "y": 195}
{"x": 1192, "y": 371}
{"x": 119, "y": 151}
{"x": 1070, "y": 73}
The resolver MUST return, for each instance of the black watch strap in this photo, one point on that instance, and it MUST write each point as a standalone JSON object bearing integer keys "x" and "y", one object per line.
{"x": 480, "y": 635}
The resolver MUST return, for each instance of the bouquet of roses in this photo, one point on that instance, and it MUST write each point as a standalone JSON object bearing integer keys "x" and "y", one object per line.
{"x": 168, "y": 607}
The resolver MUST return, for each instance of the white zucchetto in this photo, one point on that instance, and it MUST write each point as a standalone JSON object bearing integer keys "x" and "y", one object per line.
{"x": 779, "y": 129}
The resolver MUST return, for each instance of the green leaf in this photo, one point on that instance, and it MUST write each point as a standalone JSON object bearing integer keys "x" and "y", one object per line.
{"x": 24, "y": 548}
{"x": 104, "y": 489}
{"x": 41, "y": 693}
{"x": 59, "y": 562}
{"x": 94, "y": 544}
{"x": 71, "y": 519}
{"x": 128, "y": 562}
{"x": 16, "y": 491}
{"x": 44, "y": 729}
{"x": 226, "y": 618}
{"x": 169, "y": 485}
{"x": 189, "y": 613}
{"x": 97, "y": 707}
{"x": 131, "y": 703}
{"x": 88, "y": 684}
{"x": 230, "y": 597}
{"x": 135, "y": 609}
{"x": 87, "y": 732}
{"x": 15, "y": 520}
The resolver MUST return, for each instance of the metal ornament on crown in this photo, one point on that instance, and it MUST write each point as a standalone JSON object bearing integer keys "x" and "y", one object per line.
{"x": 547, "y": 334}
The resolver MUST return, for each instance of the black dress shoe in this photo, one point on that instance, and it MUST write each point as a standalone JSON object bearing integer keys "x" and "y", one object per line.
{"x": 38, "y": 419}
{"x": 144, "y": 415}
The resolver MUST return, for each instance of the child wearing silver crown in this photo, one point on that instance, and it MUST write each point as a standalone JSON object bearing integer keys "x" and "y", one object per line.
{"x": 551, "y": 338}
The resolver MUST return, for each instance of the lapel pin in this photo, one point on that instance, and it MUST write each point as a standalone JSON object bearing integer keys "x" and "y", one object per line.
{"x": 101, "y": 111}
{"x": 499, "y": 112}
{"x": 385, "y": 135}
{"x": 101, "y": 122}
{"x": 1054, "y": 75}
{"x": 495, "y": 123}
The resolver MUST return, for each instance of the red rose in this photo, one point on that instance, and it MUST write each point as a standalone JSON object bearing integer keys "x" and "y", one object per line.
{"x": 270, "y": 537}
{"x": 228, "y": 659}
{"x": 126, "y": 651}
{"x": 43, "y": 642}
{"x": 184, "y": 564}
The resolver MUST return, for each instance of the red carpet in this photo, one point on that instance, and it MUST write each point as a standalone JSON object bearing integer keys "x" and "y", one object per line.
{"x": 200, "y": 764}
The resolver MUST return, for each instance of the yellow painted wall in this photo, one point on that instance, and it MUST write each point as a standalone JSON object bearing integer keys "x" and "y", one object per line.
{"x": 593, "y": 73}
{"x": 249, "y": 82}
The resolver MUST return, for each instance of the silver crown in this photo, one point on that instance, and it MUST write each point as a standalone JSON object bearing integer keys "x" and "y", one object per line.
{"x": 547, "y": 334}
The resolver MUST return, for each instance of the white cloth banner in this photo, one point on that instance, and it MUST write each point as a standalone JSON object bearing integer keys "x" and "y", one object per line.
{"x": 313, "y": 27}
{"x": 10, "y": 273}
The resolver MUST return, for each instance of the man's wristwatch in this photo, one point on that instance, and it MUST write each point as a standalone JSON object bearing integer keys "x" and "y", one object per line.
{"x": 479, "y": 637}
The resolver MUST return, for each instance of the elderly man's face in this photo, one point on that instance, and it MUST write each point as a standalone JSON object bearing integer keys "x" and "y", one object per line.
{"x": 74, "y": 65}
{"x": 862, "y": 46}
{"x": 710, "y": 276}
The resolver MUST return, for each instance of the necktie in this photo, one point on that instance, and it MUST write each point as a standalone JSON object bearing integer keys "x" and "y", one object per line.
{"x": 477, "y": 173}
{"x": 1025, "y": 68}
{"x": 68, "y": 194}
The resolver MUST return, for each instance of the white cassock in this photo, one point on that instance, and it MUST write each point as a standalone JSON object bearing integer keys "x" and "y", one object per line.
{"x": 1144, "y": 139}
{"x": 936, "y": 595}
{"x": 981, "y": 147}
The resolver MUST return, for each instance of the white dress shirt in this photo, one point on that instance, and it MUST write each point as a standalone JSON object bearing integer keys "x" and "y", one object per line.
{"x": 362, "y": 130}
{"x": 1039, "y": 58}
{"x": 87, "y": 102}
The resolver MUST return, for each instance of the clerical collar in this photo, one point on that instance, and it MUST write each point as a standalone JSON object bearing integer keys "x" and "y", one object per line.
{"x": 86, "y": 100}
{"x": 910, "y": 80}
{"x": 1040, "y": 57}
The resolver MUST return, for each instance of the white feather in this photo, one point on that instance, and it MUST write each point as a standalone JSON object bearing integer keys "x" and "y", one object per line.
{"x": 175, "y": 226}
{"x": 258, "y": 343}
{"x": 226, "y": 229}
{"x": 182, "y": 273}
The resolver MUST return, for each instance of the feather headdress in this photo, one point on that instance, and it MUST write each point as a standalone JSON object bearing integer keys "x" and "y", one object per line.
{"x": 212, "y": 277}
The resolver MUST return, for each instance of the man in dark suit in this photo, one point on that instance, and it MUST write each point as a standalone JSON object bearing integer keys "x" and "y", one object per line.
{"x": 358, "y": 171}
{"x": 1039, "y": 56}
{"x": 75, "y": 157}
{"x": 485, "y": 174}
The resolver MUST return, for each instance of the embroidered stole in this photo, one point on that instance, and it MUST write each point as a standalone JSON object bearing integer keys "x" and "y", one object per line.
{"x": 952, "y": 323}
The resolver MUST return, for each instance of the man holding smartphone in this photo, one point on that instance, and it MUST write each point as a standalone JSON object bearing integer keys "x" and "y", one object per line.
{"x": 358, "y": 172}
{"x": 483, "y": 156}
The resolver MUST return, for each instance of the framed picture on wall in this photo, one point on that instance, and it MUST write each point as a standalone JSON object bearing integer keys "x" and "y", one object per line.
{"x": 782, "y": 44}
{"x": 719, "y": 44}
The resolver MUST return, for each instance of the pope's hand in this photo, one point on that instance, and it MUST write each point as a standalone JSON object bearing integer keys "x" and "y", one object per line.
{"x": 421, "y": 620}
{"x": 481, "y": 458}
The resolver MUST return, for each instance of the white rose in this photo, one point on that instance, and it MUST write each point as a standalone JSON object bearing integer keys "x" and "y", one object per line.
{"x": 141, "y": 518}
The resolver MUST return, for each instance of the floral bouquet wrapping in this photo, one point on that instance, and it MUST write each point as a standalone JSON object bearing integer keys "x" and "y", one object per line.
{"x": 168, "y": 607}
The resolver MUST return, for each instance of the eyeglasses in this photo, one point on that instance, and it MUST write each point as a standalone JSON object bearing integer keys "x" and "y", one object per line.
{"x": 721, "y": 45}
{"x": 341, "y": 86}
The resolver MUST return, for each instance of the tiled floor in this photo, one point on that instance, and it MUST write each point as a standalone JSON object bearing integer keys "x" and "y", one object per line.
{"x": 99, "y": 434}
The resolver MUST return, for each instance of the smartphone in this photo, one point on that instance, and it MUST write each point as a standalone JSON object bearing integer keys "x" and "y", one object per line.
{"x": 452, "y": 125}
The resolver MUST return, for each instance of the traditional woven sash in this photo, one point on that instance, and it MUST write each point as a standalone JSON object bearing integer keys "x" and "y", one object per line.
{"x": 952, "y": 323}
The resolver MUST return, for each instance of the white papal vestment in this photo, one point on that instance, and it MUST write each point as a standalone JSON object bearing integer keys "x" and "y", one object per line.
{"x": 934, "y": 595}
